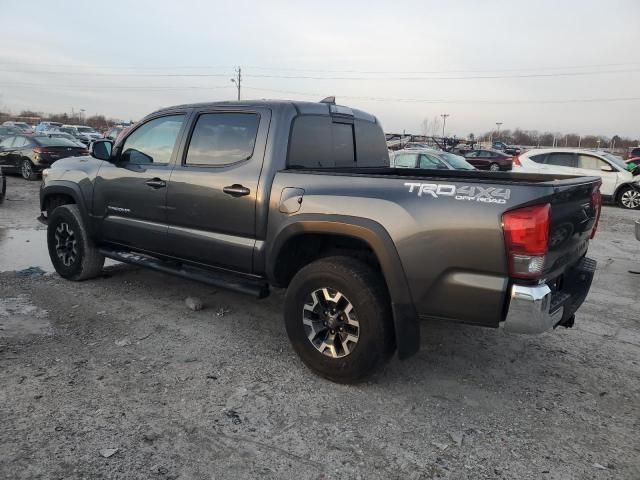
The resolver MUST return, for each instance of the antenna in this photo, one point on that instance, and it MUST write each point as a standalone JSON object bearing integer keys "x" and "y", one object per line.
{"x": 331, "y": 100}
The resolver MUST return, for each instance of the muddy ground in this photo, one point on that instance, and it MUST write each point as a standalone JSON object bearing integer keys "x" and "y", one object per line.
{"x": 121, "y": 363}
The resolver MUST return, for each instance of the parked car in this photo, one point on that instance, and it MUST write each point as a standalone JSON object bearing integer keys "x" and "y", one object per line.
{"x": 85, "y": 134}
{"x": 7, "y": 131}
{"x": 113, "y": 133}
{"x": 429, "y": 159}
{"x": 633, "y": 152}
{"x": 30, "y": 154}
{"x": 46, "y": 126}
{"x": 633, "y": 165}
{"x": 486, "y": 159}
{"x": 22, "y": 126}
{"x": 508, "y": 149}
{"x": 68, "y": 136}
{"x": 303, "y": 198}
{"x": 618, "y": 184}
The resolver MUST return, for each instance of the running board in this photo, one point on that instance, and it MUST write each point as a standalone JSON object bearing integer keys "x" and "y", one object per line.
{"x": 229, "y": 281}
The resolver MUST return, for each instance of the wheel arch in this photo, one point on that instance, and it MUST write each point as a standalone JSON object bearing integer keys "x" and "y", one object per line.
{"x": 66, "y": 192}
{"x": 302, "y": 236}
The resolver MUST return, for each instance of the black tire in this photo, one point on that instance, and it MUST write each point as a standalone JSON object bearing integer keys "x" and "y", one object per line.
{"x": 3, "y": 187}
{"x": 366, "y": 291}
{"x": 494, "y": 167}
{"x": 72, "y": 252}
{"x": 26, "y": 170}
{"x": 629, "y": 198}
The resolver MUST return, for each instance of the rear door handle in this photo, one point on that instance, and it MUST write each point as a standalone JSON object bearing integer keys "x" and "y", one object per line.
{"x": 236, "y": 190}
{"x": 156, "y": 183}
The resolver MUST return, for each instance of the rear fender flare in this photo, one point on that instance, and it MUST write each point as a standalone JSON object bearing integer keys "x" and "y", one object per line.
{"x": 407, "y": 328}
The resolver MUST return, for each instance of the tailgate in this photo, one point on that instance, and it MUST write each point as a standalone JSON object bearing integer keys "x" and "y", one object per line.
{"x": 574, "y": 212}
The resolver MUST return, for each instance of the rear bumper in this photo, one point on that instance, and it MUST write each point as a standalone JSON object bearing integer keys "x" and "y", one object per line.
{"x": 538, "y": 308}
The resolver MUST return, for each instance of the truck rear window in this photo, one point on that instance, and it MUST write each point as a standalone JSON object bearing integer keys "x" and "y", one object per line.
{"x": 318, "y": 141}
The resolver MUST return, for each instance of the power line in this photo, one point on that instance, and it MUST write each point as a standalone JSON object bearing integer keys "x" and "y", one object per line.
{"x": 296, "y": 69}
{"x": 454, "y": 101}
{"x": 116, "y": 87}
{"x": 313, "y": 77}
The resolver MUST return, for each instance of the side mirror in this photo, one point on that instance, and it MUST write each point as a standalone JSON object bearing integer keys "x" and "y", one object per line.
{"x": 101, "y": 149}
{"x": 607, "y": 168}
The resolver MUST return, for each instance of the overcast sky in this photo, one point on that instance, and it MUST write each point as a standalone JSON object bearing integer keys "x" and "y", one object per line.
{"x": 402, "y": 61}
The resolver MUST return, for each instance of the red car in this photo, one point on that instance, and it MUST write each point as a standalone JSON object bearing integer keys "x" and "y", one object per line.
{"x": 486, "y": 159}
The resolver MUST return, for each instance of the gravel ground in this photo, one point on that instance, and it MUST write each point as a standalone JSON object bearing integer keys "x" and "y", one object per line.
{"x": 120, "y": 364}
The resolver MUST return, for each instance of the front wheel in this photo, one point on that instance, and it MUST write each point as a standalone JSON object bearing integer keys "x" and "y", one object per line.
{"x": 629, "y": 198}
{"x": 494, "y": 167}
{"x": 72, "y": 252}
{"x": 338, "y": 318}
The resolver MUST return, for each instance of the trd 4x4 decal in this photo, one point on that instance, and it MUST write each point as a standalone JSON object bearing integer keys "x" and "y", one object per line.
{"x": 463, "y": 192}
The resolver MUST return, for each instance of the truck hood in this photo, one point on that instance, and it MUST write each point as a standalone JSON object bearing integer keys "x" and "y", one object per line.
{"x": 84, "y": 163}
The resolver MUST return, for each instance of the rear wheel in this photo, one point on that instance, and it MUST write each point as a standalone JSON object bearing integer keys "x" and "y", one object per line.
{"x": 72, "y": 252}
{"x": 494, "y": 167}
{"x": 338, "y": 318}
{"x": 27, "y": 171}
{"x": 629, "y": 198}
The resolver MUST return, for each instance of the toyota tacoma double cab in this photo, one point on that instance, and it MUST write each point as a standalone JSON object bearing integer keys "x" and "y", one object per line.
{"x": 299, "y": 195}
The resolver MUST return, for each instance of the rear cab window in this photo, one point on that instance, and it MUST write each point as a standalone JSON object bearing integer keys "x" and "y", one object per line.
{"x": 322, "y": 141}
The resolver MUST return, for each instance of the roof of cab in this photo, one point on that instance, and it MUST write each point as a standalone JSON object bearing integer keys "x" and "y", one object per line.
{"x": 303, "y": 108}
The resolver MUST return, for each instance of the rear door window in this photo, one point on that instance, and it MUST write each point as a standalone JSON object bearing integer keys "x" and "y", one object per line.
{"x": 562, "y": 160}
{"x": 406, "y": 160}
{"x": 431, "y": 162}
{"x": 223, "y": 138}
{"x": 540, "y": 158}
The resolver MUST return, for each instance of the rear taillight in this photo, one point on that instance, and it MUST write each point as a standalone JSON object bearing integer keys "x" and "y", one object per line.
{"x": 596, "y": 203}
{"x": 39, "y": 150}
{"x": 516, "y": 160}
{"x": 526, "y": 236}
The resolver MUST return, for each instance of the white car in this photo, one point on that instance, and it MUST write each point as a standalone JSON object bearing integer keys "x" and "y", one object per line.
{"x": 618, "y": 184}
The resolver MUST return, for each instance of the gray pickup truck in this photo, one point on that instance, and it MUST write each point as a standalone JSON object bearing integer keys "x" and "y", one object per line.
{"x": 300, "y": 195}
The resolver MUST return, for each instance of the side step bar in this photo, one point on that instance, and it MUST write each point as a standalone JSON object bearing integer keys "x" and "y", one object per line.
{"x": 229, "y": 281}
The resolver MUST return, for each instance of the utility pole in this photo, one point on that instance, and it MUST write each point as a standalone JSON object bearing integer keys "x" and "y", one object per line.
{"x": 444, "y": 122}
{"x": 238, "y": 80}
{"x": 579, "y": 140}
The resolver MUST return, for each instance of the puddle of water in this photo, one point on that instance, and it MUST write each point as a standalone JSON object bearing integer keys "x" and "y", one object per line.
{"x": 21, "y": 249}
{"x": 19, "y": 317}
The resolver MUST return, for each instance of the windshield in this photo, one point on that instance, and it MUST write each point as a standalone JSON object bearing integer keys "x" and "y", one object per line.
{"x": 615, "y": 160}
{"x": 54, "y": 142}
{"x": 456, "y": 161}
{"x": 86, "y": 129}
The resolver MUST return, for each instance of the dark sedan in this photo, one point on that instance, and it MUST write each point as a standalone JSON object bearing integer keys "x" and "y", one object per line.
{"x": 30, "y": 154}
{"x": 485, "y": 159}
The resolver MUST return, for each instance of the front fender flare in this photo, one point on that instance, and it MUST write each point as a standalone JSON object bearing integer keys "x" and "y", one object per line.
{"x": 64, "y": 187}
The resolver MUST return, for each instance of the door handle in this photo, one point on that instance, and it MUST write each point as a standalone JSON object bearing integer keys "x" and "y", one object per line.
{"x": 156, "y": 183}
{"x": 236, "y": 190}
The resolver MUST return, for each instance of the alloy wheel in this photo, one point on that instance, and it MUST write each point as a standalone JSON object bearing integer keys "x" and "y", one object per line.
{"x": 330, "y": 323}
{"x": 630, "y": 199}
{"x": 66, "y": 244}
{"x": 494, "y": 167}
{"x": 27, "y": 170}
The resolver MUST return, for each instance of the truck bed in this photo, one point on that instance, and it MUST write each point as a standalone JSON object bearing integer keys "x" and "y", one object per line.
{"x": 482, "y": 176}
